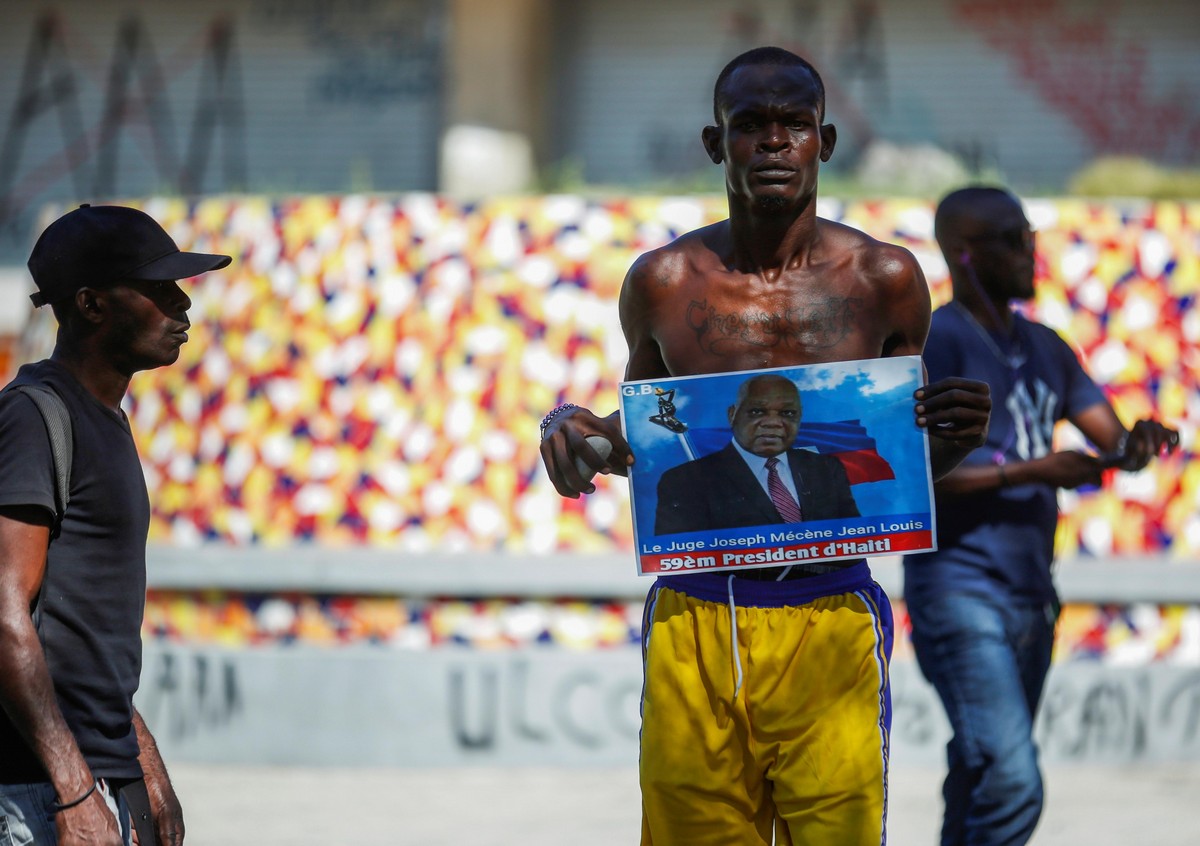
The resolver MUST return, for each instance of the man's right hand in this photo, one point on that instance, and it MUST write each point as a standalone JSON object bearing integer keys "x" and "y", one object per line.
{"x": 1068, "y": 469}
{"x": 90, "y": 823}
{"x": 565, "y": 439}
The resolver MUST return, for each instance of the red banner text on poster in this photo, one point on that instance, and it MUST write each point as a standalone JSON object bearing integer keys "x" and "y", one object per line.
{"x": 781, "y": 556}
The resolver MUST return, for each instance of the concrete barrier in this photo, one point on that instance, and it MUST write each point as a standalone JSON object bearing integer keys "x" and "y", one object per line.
{"x": 544, "y": 705}
{"x": 365, "y": 706}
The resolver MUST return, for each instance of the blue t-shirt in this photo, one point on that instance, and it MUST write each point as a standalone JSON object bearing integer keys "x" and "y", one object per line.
{"x": 1001, "y": 542}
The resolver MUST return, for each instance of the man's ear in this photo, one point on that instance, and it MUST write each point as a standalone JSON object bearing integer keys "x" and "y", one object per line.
{"x": 828, "y": 140}
{"x": 958, "y": 251}
{"x": 710, "y": 136}
{"x": 90, "y": 304}
{"x": 731, "y": 413}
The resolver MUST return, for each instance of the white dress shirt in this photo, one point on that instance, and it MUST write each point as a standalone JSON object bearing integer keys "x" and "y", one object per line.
{"x": 758, "y": 466}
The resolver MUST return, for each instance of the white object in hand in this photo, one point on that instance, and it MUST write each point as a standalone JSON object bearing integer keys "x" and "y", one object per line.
{"x": 602, "y": 446}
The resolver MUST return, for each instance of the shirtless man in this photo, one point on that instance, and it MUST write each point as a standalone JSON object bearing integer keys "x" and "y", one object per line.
{"x": 780, "y": 723}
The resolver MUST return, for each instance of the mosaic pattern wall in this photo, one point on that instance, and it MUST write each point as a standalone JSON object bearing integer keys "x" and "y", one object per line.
{"x": 1134, "y": 634}
{"x": 372, "y": 370}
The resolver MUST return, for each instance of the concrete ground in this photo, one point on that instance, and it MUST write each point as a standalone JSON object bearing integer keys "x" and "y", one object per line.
{"x": 1098, "y": 805}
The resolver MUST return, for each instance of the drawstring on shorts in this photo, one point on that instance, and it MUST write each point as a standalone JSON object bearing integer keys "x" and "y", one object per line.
{"x": 830, "y": 579}
{"x": 733, "y": 638}
{"x": 737, "y": 658}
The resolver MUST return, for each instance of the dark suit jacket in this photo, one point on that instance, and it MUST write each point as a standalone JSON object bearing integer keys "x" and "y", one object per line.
{"x": 719, "y": 491}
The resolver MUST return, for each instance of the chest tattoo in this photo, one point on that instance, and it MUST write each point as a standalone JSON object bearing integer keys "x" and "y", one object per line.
{"x": 818, "y": 325}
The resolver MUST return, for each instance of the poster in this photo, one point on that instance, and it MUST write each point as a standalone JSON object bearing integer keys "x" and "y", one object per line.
{"x": 792, "y": 466}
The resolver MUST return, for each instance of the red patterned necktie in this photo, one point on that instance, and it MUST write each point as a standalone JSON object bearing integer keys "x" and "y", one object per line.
{"x": 787, "y": 507}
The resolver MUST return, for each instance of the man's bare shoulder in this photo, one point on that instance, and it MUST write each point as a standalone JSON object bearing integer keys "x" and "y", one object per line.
{"x": 865, "y": 248}
{"x": 677, "y": 262}
{"x": 874, "y": 259}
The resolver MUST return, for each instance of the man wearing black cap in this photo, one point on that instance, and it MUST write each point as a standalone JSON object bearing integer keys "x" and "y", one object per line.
{"x": 77, "y": 764}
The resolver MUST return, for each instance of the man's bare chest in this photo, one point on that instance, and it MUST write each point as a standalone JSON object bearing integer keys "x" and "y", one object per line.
{"x": 711, "y": 334}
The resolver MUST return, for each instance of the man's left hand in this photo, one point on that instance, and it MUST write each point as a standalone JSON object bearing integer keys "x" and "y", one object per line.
{"x": 1146, "y": 440}
{"x": 956, "y": 410}
{"x": 167, "y": 813}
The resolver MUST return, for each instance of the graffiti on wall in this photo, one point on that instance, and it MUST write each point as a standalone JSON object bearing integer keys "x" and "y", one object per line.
{"x": 1120, "y": 716}
{"x": 1088, "y": 712}
{"x": 188, "y": 694}
{"x": 454, "y": 705}
{"x": 1099, "y": 80}
{"x": 374, "y": 52}
{"x": 140, "y": 98}
{"x": 497, "y": 705}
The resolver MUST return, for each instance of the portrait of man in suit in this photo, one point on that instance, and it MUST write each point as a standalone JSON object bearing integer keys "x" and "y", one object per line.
{"x": 760, "y": 478}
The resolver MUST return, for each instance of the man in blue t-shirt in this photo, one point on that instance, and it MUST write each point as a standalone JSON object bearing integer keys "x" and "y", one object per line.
{"x": 77, "y": 763}
{"x": 983, "y": 607}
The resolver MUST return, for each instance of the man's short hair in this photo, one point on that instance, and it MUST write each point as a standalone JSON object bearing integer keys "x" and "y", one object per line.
{"x": 769, "y": 378}
{"x": 773, "y": 57}
{"x": 958, "y": 204}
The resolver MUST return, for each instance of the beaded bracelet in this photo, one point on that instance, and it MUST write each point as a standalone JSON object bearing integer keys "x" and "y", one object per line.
{"x": 554, "y": 412}
{"x": 56, "y": 807}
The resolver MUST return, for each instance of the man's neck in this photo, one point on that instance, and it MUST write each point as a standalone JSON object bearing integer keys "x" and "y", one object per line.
{"x": 992, "y": 314}
{"x": 101, "y": 380}
{"x": 754, "y": 461}
{"x": 771, "y": 242}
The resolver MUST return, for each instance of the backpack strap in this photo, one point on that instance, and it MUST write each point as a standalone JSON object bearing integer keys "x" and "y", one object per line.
{"x": 62, "y": 444}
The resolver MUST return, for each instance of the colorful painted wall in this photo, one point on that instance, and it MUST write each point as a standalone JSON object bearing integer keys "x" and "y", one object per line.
{"x": 371, "y": 370}
{"x": 1120, "y": 634}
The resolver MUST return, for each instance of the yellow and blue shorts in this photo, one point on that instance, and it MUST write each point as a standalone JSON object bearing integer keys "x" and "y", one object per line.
{"x": 766, "y": 710}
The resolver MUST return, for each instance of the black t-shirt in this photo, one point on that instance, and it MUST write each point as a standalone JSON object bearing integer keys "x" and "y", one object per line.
{"x": 95, "y": 585}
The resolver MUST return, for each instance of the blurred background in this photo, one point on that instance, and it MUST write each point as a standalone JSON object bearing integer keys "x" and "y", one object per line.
{"x": 356, "y": 560}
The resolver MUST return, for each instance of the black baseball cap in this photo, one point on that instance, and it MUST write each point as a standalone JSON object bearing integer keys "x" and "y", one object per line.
{"x": 95, "y": 246}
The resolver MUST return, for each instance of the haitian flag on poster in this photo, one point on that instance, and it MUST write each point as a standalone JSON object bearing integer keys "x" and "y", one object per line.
{"x": 847, "y": 440}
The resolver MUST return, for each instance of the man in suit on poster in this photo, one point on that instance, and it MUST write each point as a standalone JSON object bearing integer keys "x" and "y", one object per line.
{"x": 759, "y": 479}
